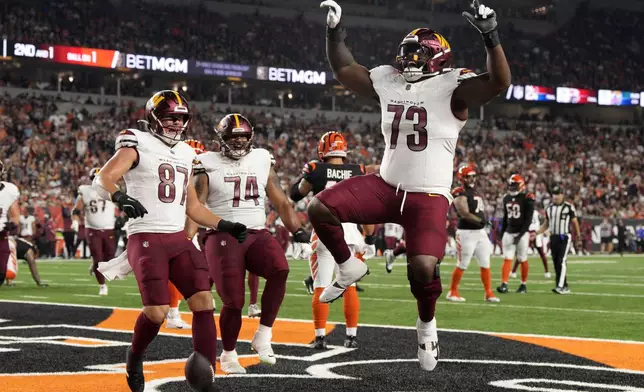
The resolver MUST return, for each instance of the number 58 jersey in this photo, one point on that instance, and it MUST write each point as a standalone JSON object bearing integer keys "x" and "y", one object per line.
{"x": 158, "y": 180}
{"x": 419, "y": 128}
{"x": 237, "y": 187}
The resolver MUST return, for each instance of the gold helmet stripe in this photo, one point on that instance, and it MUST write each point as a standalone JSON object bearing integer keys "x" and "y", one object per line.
{"x": 178, "y": 98}
{"x": 237, "y": 125}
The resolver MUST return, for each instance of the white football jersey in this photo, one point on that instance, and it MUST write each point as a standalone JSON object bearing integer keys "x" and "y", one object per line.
{"x": 237, "y": 187}
{"x": 8, "y": 194}
{"x": 27, "y": 225}
{"x": 419, "y": 128}
{"x": 535, "y": 224}
{"x": 99, "y": 213}
{"x": 393, "y": 230}
{"x": 158, "y": 180}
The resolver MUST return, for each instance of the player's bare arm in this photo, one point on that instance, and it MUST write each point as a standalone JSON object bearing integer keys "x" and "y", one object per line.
{"x": 544, "y": 226}
{"x": 464, "y": 211}
{"x": 76, "y": 211}
{"x": 281, "y": 203}
{"x": 347, "y": 71}
{"x": 575, "y": 226}
{"x": 304, "y": 187}
{"x": 478, "y": 90}
{"x": 13, "y": 215}
{"x": 201, "y": 182}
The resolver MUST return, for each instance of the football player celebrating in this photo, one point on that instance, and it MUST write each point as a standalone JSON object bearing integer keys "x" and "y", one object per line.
{"x": 471, "y": 238}
{"x": 424, "y": 106}
{"x": 317, "y": 176}
{"x": 157, "y": 167}
{"x": 518, "y": 207}
{"x": 9, "y": 219}
{"x": 235, "y": 183}
{"x": 99, "y": 226}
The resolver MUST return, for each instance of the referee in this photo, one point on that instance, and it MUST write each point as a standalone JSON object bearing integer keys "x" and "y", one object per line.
{"x": 558, "y": 218}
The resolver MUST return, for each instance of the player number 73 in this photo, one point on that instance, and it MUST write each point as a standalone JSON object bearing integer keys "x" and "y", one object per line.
{"x": 416, "y": 114}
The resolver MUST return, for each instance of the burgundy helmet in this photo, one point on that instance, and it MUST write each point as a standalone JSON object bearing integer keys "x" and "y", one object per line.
{"x": 423, "y": 52}
{"x": 167, "y": 103}
{"x": 229, "y": 129}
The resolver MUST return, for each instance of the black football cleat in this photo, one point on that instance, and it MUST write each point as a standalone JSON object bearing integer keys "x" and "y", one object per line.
{"x": 134, "y": 371}
{"x": 351, "y": 342}
{"x": 320, "y": 343}
{"x": 308, "y": 283}
{"x": 503, "y": 288}
{"x": 359, "y": 289}
{"x": 522, "y": 289}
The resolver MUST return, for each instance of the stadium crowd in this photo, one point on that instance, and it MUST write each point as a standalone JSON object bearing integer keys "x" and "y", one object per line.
{"x": 596, "y": 48}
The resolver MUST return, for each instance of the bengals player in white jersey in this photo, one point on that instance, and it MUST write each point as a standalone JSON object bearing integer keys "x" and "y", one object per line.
{"x": 99, "y": 224}
{"x": 157, "y": 168}
{"x": 424, "y": 105}
{"x": 9, "y": 219}
{"x": 234, "y": 185}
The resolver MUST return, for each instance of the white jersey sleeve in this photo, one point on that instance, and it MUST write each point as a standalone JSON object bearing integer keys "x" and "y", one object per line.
{"x": 8, "y": 194}
{"x": 237, "y": 188}
{"x": 159, "y": 181}
{"x": 535, "y": 224}
{"x": 99, "y": 213}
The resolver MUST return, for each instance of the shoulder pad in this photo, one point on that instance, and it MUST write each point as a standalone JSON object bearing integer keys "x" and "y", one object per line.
{"x": 458, "y": 191}
{"x": 464, "y": 74}
{"x": 309, "y": 167}
{"x": 530, "y": 196}
{"x": 126, "y": 138}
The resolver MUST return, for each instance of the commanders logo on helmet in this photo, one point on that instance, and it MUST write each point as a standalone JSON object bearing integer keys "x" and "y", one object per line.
{"x": 516, "y": 184}
{"x": 332, "y": 144}
{"x": 93, "y": 173}
{"x": 235, "y": 135}
{"x": 422, "y": 53}
{"x": 167, "y": 104}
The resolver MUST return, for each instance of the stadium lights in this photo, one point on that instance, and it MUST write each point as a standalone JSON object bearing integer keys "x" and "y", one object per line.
{"x": 184, "y": 88}
{"x": 290, "y": 96}
{"x": 71, "y": 79}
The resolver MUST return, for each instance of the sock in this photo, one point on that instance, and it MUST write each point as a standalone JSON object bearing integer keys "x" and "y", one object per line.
{"x": 456, "y": 279}
{"x": 175, "y": 295}
{"x": 544, "y": 259}
{"x": 332, "y": 236}
{"x": 272, "y": 297}
{"x": 400, "y": 249}
{"x": 173, "y": 313}
{"x": 524, "y": 272}
{"x": 320, "y": 311}
{"x": 505, "y": 271}
{"x": 204, "y": 335}
{"x": 352, "y": 331}
{"x": 253, "y": 287}
{"x": 230, "y": 322}
{"x": 320, "y": 332}
{"x": 264, "y": 333}
{"x": 515, "y": 266}
{"x": 144, "y": 333}
{"x": 486, "y": 278}
{"x": 424, "y": 329}
{"x": 351, "y": 308}
{"x": 426, "y": 296}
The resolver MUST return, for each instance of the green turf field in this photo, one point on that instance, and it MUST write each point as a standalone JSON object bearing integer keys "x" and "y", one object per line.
{"x": 607, "y": 299}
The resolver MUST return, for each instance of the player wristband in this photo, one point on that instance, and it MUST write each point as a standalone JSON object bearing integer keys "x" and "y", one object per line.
{"x": 370, "y": 239}
{"x": 491, "y": 39}
{"x": 337, "y": 34}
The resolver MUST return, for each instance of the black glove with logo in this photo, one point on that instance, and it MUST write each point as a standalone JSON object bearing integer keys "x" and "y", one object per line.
{"x": 484, "y": 19}
{"x": 235, "y": 229}
{"x": 301, "y": 236}
{"x": 132, "y": 207}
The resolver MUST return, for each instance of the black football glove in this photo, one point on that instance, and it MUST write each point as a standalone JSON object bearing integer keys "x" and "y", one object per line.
{"x": 484, "y": 18}
{"x": 370, "y": 239}
{"x": 235, "y": 229}
{"x": 301, "y": 236}
{"x": 132, "y": 207}
{"x": 10, "y": 227}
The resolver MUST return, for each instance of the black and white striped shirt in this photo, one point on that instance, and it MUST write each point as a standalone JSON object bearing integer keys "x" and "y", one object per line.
{"x": 559, "y": 217}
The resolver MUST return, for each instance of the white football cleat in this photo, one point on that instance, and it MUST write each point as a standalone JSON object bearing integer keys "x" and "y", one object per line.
{"x": 389, "y": 260}
{"x": 254, "y": 311}
{"x": 492, "y": 299}
{"x": 428, "y": 350}
{"x": 547, "y": 275}
{"x": 263, "y": 349}
{"x": 102, "y": 290}
{"x": 513, "y": 275}
{"x": 177, "y": 323}
{"x": 347, "y": 274}
{"x": 454, "y": 298}
{"x": 230, "y": 363}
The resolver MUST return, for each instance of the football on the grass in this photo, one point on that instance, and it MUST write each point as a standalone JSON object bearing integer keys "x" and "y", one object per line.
{"x": 199, "y": 373}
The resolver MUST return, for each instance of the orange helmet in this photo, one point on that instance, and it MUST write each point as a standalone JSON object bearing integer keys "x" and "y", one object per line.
{"x": 332, "y": 144}
{"x": 196, "y": 145}
{"x": 516, "y": 184}
{"x": 465, "y": 171}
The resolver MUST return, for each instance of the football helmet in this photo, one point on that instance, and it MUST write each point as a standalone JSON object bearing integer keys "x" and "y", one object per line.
{"x": 332, "y": 144}
{"x": 466, "y": 174}
{"x": 93, "y": 172}
{"x": 167, "y": 103}
{"x": 196, "y": 145}
{"x": 516, "y": 184}
{"x": 423, "y": 53}
{"x": 235, "y": 135}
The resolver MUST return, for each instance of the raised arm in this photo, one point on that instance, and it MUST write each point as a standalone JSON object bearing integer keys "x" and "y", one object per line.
{"x": 347, "y": 71}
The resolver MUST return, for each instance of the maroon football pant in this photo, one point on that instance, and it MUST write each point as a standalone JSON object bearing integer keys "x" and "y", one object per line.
{"x": 5, "y": 252}
{"x": 229, "y": 260}
{"x": 369, "y": 199}
{"x": 102, "y": 245}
